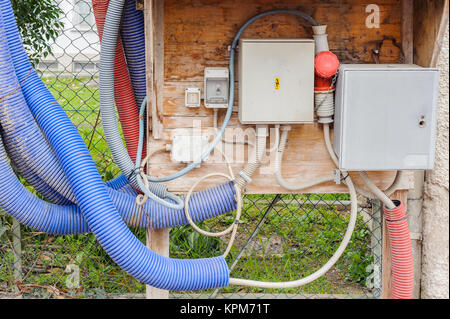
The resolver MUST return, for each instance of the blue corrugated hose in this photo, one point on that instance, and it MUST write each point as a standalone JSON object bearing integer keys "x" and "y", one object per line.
{"x": 133, "y": 41}
{"x": 27, "y": 146}
{"x": 42, "y": 216}
{"x": 92, "y": 195}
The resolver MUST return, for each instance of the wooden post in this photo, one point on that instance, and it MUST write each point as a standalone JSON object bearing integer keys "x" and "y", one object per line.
{"x": 377, "y": 235}
{"x": 17, "y": 250}
{"x": 408, "y": 30}
{"x": 430, "y": 23}
{"x": 157, "y": 240}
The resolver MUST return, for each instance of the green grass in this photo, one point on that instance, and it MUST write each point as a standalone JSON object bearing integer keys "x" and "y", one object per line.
{"x": 307, "y": 235}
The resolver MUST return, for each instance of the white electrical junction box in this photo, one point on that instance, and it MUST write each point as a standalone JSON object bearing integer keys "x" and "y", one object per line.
{"x": 188, "y": 148}
{"x": 217, "y": 87}
{"x": 386, "y": 117}
{"x": 276, "y": 81}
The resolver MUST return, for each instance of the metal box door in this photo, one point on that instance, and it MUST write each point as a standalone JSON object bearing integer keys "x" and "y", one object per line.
{"x": 276, "y": 81}
{"x": 386, "y": 117}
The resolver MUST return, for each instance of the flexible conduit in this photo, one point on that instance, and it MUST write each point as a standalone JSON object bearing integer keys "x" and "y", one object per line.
{"x": 133, "y": 40}
{"x": 29, "y": 146}
{"x": 98, "y": 210}
{"x": 123, "y": 90}
{"x": 399, "y": 242}
{"x": 156, "y": 192}
{"x": 33, "y": 212}
{"x": 22, "y": 137}
{"x": 401, "y": 252}
{"x": 42, "y": 216}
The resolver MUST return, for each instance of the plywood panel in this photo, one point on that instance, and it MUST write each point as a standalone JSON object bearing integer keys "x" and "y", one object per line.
{"x": 198, "y": 34}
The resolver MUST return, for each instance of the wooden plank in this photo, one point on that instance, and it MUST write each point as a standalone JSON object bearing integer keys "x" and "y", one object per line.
{"x": 154, "y": 21}
{"x": 157, "y": 240}
{"x": 430, "y": 22}
{"x": 408, "y": 30}
{"x": 199, "y": 36}
{"x": 415, "y": 206}
{"x": 17, "y": 252}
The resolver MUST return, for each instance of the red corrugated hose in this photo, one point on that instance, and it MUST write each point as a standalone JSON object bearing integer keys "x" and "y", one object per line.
{"x": 401, "y": 252}
{"x": 123, "y": 90}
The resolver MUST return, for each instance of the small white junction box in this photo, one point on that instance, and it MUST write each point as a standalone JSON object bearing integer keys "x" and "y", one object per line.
{"x": 276, "y": 81}
{"x": 188, "y": 148}
{"x": 386, "y": 117}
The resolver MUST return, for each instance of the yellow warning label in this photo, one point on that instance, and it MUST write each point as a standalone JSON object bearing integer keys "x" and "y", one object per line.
{"x": 277, "y": 83}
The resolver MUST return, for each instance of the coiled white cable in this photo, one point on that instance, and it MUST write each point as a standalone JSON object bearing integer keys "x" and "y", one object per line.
{"x": 234, "y": 227}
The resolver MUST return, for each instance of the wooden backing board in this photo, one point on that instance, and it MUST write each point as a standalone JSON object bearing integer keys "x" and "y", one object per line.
{"x": 157, "y": 240}
{"x": 197, "y": 34}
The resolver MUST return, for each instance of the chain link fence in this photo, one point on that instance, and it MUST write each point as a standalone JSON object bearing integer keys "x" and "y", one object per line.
{"x": 281, "y": 237}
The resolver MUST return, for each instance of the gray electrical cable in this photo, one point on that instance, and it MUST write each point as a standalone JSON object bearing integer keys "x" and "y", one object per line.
{"x": 121, "y": 157}
{"x": 107, "y": 107}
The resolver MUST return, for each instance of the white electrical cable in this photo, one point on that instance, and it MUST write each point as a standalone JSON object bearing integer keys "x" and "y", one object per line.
{"x": 279, "y": 162}
{"x": 234, "y": 227}
{"x": 324, "y": 269}
{"x": 373, "y": 188}
{"x": 141, "y": 199}
{"x": 377, "y": 192}
{"x": 247, "y": 142}
{"x": 389, "y": 191}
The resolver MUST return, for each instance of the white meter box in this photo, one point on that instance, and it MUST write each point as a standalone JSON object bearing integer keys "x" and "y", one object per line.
{"x": 386, "y": 117}
{"x": 276, "y": 81}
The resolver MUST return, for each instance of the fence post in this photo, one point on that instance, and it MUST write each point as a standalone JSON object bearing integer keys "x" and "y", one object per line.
{"x": 158, "y": 241}
{"x": 17, "y": 251}
{"x": 377, "y": 245}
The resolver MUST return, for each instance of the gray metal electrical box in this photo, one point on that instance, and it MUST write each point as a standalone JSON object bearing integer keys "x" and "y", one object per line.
{"x": 276, "y": 81}
{"x": 386, "y": 117}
